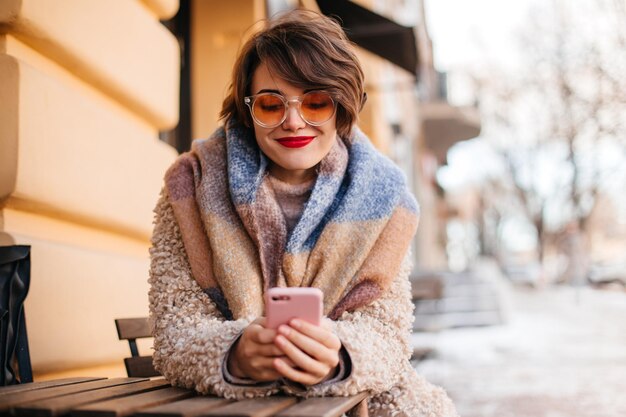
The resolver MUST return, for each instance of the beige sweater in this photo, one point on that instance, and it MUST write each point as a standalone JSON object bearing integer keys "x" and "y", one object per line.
{"x": 192, "y": 338}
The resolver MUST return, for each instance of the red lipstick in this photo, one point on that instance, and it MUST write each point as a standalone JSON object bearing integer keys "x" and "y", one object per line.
{"x": 295, "y": 141}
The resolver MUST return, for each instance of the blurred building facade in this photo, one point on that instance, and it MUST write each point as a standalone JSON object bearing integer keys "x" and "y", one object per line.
{"x": 86, "y": 91}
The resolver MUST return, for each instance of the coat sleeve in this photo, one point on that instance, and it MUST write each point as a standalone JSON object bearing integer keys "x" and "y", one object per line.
{"x": 191, "y": 337}
{"x": 377, "y": 341}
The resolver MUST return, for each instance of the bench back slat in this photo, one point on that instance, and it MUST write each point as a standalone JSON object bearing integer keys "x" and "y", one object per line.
{"x": 132, "y": 329}
{"x": 135, "y": 328}
{"x": 140, "y": 367}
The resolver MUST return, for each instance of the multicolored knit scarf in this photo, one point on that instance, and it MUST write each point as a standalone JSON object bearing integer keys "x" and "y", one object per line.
{"x": 354, "y": 231}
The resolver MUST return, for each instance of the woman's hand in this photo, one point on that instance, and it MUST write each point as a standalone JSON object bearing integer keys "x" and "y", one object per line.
{"x": 255, "y": 353}
{"x": 312, "y": 352}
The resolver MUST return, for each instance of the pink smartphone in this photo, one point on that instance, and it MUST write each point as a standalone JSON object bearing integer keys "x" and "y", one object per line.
{"x": 285, "y": 303}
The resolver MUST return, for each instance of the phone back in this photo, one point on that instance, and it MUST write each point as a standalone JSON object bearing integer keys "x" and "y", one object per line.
{"x": 284, "y": 304}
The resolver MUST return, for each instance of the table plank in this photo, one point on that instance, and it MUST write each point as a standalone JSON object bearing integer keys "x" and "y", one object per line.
{"x": 62, "y": 405}
{"x": 323, "y": 406}
{"x": 191, "y": 407}
{"x": 258, "y": 407}
{"x": 12, "y": 401}
{"x": 129, "y": 405}
{"x": 30, "y": 386}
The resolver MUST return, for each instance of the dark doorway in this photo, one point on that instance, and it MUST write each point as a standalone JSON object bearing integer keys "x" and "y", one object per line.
{"x": 180, "y": 26}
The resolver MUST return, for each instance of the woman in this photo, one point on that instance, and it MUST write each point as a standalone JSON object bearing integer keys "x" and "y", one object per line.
{"x": 289, "y": 193}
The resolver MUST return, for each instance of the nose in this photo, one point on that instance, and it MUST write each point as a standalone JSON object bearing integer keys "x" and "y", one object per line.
{"x": 293, "y": 120}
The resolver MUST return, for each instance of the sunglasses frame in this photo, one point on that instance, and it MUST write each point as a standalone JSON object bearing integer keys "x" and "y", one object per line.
{"x": 251, "y": 100}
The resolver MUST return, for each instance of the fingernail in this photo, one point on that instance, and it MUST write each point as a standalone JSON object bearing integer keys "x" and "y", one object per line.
{"x": 296, "y": 323}
{"x": 284, "y": 330}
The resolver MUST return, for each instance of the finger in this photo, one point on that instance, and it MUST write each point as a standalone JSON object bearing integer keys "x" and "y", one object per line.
{"x": 310, "y": 346}
{"x": 262, "y": 335}
{"x": 263, "y": 369}
{"x": 323, "y": 335}
{"x": 301, "y": 359}
{"x": 269, "y": 350}
{"x": 293, "y": 374}
{"x": 260, "y": 321}
{"x": 288, "y": 361}
{"x": 262, "y": 364}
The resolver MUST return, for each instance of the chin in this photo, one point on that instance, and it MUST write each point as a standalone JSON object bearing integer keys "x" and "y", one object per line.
{"x": 297, "y": 166}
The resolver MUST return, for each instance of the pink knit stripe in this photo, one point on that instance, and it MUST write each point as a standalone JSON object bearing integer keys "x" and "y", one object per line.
{"x": 336, "y": 162}
{"x": 271, "y": 230}
{"x": 179, "y": 179}
{"x": 291, "y": 198}
{"x": 195, "y": 241}
{"x": 361, "y": 295}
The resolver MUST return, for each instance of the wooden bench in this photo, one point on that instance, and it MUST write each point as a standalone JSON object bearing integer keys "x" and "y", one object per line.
{"x": 143, "y": 397}
{"x": 426, "y": 287}
{"x": 131, "y": 330}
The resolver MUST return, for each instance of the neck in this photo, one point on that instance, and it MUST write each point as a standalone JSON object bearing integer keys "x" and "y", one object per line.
{"x": 292, "y": 176}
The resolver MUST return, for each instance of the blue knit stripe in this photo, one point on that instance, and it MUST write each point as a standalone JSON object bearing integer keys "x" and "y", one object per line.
{"x": 246, "y": 164}
{"x": 372, "y": 187}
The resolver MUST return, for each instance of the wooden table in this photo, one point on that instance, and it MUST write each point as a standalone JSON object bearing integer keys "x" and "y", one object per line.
{"x": 143, "y": 397}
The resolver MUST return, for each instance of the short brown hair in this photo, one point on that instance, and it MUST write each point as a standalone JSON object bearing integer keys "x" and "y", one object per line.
{"x": 305, "y": 49}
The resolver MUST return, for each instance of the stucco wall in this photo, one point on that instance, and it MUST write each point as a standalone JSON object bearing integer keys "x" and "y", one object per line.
{"x": 85, "y": 86}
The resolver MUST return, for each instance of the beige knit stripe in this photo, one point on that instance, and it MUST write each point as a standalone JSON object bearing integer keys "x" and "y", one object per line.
{"x": 385, "y": 258}
{"x": 236, "y": 267}
{"x": 294, "y": 267}
{"x": 336, "y": 258}
{"x": 195, "y": 241}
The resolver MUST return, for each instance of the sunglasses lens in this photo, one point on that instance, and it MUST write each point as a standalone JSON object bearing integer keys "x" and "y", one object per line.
{"x": 268, "y": 109}
{"x": 317, "y": 107}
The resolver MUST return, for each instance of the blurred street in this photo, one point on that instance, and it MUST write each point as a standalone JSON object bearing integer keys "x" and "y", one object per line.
{"x": 561, "y": 352}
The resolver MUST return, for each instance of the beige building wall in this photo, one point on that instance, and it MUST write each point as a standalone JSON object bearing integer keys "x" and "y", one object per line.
{"x": 85, "y": 87}
{"x": 218, "y": 30}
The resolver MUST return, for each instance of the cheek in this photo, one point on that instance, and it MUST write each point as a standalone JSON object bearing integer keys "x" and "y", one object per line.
{"x": 261, "y": 135}
{"x": 330, "y": 134}
{"x": 259, "y": 131}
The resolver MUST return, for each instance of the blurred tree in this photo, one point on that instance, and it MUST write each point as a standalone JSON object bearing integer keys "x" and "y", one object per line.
{"x": 560, "y": 125}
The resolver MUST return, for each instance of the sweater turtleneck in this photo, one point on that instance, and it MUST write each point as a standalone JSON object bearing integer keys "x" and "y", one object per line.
{"x": 291, "y": 198}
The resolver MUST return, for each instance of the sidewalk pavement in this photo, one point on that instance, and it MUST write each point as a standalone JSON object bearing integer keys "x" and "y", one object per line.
{"x": 561, "y": 352}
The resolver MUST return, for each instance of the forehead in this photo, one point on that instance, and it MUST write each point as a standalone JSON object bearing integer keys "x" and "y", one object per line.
{"x": 264, "y": 79}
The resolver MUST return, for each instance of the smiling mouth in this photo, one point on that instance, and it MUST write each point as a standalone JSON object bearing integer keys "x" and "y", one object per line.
{"x": 295, "y": 141}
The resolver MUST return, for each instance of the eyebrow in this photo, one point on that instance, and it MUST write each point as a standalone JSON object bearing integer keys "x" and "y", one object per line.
{"x": 269, "y": 90}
